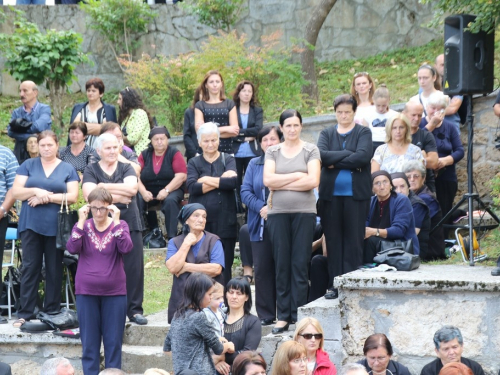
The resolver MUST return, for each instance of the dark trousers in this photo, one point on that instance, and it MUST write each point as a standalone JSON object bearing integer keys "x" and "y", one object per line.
{"x": 343, "y": 220}
{"x": 101, "y": 317}
{"x": 291, "y": 236}
{"x": 318, "y": 275}
{"x": 4, "y": 223}
{"x": 228, "y": 245}
{"x": 371, "y": 248}
{"x": 35, "y": 248}
{"x": 241, "y": 167}
{"x": 170, "y": 207}
{"x": 445, "y": 194}
{"x": 134, "y": 272}
{"x": 245, "y": 247}
{"x": 265, "y": 279}
{"x": 4, "y": 367}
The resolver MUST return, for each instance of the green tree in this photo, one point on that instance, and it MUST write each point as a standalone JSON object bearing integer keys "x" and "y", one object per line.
{"x": 120, "y": 22}
{"x": 49, "y": 57}
{"x": 487, "y": 12}
{"x": 219, "y": 14}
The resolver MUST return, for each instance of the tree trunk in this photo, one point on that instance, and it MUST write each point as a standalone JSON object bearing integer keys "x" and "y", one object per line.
{"x": 56, "y": 91}
{"x": 312, "y": 29}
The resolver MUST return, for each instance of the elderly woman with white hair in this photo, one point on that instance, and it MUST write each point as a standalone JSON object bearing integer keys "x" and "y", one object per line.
{"x": 120, "y": 180}
{"x": 211, "y": 180}
{"x": 449, "y": 147}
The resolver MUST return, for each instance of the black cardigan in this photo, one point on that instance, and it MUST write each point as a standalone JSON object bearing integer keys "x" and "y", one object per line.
{"x": 255, "y": 123}
{"x": 356, "y": 157}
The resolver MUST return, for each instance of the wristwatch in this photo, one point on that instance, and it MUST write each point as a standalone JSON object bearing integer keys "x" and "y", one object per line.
{"x": 378, "y": 233}
{"x": 168, "y": 191}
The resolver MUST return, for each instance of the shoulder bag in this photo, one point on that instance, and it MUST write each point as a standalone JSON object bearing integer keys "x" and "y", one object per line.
{"x": 66, "y": 220}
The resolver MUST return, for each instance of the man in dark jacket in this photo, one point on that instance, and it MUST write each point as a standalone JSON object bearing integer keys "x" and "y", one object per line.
{"x": 449, "y": 345}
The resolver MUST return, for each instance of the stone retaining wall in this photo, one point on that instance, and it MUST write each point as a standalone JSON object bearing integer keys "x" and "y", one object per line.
{"x": 353, "y": 29}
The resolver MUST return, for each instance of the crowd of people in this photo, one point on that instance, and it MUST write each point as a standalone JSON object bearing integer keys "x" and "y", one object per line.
{"x": 313, "y": 212}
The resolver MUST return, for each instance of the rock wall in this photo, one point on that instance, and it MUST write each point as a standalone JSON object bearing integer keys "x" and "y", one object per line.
{"x": 353, "y": 29}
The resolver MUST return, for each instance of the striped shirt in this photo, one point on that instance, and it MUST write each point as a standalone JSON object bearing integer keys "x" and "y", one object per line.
{"x": 8, "y": 169}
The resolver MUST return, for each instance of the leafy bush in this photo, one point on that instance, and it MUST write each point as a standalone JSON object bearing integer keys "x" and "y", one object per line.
{"x": 219, "y": 14}
{"x": 169, "y": 83}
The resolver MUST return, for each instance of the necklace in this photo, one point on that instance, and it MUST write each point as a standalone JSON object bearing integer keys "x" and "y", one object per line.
{"x": 157, "y": 162}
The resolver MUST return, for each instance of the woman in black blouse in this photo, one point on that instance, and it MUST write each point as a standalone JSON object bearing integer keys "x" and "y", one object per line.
{"x": 211, "y": 181}
{"x": 214, "y": 107}
{"x": 344, "y": 189}
{"x": 77, "y": 154}
{"x": 240, "y": 327}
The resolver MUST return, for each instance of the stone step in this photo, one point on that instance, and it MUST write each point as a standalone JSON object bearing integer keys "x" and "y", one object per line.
{"x": 137, "y": 359}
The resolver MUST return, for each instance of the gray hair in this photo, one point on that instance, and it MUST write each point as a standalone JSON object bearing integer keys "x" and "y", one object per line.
{"x": 208, "y": 128}
{"x": 414, "y": 165}
{"x": 112, "y": 371}
{"x": 103, "y": 138}
{"x": 353, "y": 367}
{"x": 50, "y": 366}
{"x": 438, "y": 99}
{"x": 447, "y": 333}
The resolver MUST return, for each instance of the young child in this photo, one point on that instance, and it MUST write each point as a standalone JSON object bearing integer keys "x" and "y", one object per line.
{"x": 377, "y": 115}
{"x": 215, "y": 312}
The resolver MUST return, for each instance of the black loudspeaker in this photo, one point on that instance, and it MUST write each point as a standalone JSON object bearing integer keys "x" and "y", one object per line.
{"x": 468, "y": 57}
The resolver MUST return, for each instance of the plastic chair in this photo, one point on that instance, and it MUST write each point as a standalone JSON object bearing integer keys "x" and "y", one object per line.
{"x": 12, "y": 236}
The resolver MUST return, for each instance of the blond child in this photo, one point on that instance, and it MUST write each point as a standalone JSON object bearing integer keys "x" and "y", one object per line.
{"x": 215, "y": 310}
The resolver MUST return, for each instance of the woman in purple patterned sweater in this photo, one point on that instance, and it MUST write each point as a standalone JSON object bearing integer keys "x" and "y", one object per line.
{"x": 101, "y": 293}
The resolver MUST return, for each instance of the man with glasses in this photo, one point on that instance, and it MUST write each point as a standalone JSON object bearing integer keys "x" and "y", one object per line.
{"x": 423, "y": 139}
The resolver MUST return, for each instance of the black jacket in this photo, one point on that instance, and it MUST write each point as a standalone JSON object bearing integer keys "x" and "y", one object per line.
{"x": 434, "y": 367}
{"x": 356, "y": 157}
{"x": 255, "y": 123}
{"x": 394, "y": 367}
{"x": 189, "y": 135}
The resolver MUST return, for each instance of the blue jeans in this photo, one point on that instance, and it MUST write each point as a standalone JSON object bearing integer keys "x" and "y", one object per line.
{"x": 28, "y": 2}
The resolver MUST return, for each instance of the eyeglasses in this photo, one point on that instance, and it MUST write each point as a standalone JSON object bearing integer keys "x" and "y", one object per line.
{"x": 361, "y": 74}
{"x": 298, "y": 360}
{"x": 381, "y": 183}
{"x": 99, "y": 209}
{"x": 308, "y": 336}
{"x": 413, "y": 176}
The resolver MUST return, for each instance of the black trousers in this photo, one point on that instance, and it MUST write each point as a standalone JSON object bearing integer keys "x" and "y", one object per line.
{"x": 343, "y": 220}
{"x": 134, "y": 272}
{"x": 291, "y": 237}
{"x": 241, "y": 167}
{"x": 170, "y": 207}
{"x": 245, "y": 247}
{"x": 371, "y": 248}
{"x": 228, "y": 244}
{"x": 265, "y": 278}
{"x": 36, "y": 247}
{"x": 445, "y": 194}
{"x": 318, "y": 275}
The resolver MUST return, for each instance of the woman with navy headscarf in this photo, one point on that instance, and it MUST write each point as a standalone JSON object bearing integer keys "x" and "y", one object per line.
{"x": 195, "y": 250}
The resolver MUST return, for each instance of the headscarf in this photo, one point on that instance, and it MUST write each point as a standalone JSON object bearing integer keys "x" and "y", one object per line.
{"x": 381, "y": 173}
{"x": 159, "y": 130}
{"x": 400, "y": 175}
{"x": 186, "y": 212}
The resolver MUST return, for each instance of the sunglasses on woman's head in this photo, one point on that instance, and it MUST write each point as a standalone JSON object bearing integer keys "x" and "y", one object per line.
{"x": 361, "y": 74}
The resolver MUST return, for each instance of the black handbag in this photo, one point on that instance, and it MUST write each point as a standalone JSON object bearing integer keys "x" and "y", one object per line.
{"x": 398, "y": 258}
{"x": 397, "y": 244}
{"x": 239, "y": 205}
{"x": 154, "y": 239}
{"x": 66, "y": 220}
{"x": 64, "y": 319}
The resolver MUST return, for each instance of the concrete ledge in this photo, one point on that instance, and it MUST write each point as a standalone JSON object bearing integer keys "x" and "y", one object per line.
{"x": 137, "y": 359}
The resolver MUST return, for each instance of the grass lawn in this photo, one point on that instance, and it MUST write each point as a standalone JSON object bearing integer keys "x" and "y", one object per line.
{"x": 396, "y": 69}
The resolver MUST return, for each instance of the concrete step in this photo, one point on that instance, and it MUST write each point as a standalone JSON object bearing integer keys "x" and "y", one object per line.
{"x": 136, "y": 359}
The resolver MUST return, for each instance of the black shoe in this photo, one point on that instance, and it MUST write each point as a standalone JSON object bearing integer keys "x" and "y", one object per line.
{"x": 332, "y": 294}
{"x": 3, "y": 320}
{"x": 277, "y": 330}
{"x": 267, "y": 322}
{"x": 495, "y": 271}
{"x": 139, "y": 319}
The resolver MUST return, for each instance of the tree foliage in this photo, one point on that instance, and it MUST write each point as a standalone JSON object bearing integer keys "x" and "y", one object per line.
{"x": 49, "y": 57}
{"x": 219, "y": 14}
{"x": 487, "y": 12}
{"x": 170, "y": 83}
{"x": 120, "y": 22}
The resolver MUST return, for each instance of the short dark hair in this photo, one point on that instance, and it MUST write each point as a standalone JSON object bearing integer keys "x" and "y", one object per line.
{"x": 97, "y": 83}
{"x": 239, "y": 283}
{"x": 197, "y": 284}
{"x": 287, "y": 113}
{"x": 78, "y": 125}
{"x": 47, "y": 134}
{"x": 447, "y": 333}
{"x": 246, "y": 358}
{"x": 268, "y": 129}
{"x": 239, "y": 87}
{"x": 345, "y": 99}
{"x": 100, "y": 194}
{"x": 108, "y": 126}
{"x": 377, "y": 340}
